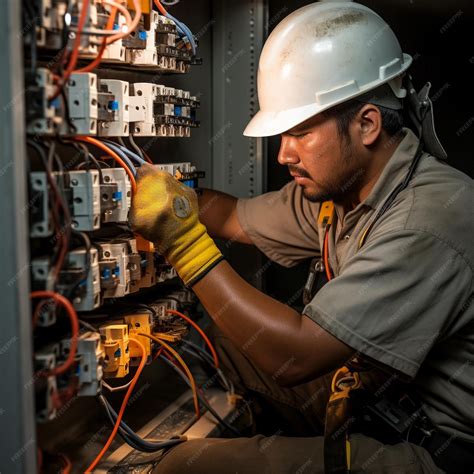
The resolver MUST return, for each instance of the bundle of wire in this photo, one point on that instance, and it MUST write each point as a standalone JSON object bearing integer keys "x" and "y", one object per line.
{"x": 132, "y": 438}
{"x": 183, "y": 30}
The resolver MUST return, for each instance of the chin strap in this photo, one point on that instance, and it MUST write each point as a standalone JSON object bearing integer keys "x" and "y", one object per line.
{"x": 420, "y": 110}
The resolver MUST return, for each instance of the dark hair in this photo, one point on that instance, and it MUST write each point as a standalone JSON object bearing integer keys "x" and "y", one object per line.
{"x": 392, "y": 120}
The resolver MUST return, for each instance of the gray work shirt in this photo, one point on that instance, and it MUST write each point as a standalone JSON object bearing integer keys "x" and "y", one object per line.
{"x": 405, "y": 297}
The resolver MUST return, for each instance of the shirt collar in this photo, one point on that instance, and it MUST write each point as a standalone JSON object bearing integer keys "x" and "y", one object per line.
{"x": 393, "y": 173}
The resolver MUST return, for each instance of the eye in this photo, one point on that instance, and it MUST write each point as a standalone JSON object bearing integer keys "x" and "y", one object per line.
{"x": 300, "y": 135}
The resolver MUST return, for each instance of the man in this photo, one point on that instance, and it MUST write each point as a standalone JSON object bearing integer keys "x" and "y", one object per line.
{"x": 391, "y": 226}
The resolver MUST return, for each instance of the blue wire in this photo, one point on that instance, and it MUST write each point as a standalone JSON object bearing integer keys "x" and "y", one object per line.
{"x": 131, "y": 154}
{"x": 123, "y": 156}
{"x": 183, "y": 29}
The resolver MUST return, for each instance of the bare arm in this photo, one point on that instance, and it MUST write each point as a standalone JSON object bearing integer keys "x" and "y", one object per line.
{"x": 289, "y": 346}
{"x": 218, "y": 212}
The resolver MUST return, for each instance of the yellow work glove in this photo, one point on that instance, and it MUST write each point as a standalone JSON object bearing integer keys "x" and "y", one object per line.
{"x": 165, "y": 212}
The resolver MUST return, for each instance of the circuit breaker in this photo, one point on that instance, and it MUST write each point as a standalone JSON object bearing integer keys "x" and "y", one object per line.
{"x": 99, "y": 105}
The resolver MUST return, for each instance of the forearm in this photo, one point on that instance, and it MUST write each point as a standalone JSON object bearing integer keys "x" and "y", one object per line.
{"x": 278, "y": 339}
{"x": 218, "y": 212}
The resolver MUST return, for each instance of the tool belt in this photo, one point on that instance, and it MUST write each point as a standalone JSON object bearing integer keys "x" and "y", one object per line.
{"x": 396, "y": 417}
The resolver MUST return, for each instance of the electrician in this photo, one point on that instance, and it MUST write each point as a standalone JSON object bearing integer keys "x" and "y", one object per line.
{"x": 389, "y": 223}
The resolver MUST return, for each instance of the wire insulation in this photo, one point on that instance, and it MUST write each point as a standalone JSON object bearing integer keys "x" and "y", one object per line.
{"x": 140, "y": 368}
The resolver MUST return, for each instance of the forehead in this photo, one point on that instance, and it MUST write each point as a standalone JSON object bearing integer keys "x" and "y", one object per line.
{"x": 312, "y": 122}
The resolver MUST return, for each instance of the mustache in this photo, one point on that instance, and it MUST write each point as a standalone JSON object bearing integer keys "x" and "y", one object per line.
{"x": 299, "y": 171}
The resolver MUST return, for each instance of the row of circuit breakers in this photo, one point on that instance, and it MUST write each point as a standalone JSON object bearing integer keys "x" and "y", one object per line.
{"x": 117, "y": 263}
{"x": 109, "y": 107}
{"x": 106, "y": 353}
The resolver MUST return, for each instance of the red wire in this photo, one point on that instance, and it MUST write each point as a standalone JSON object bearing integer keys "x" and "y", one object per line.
{"x": 327, "y": 268}
{"x": 74, "y": 330}
{"x": 122, "y": 407}
{"x": 200, "y": 331}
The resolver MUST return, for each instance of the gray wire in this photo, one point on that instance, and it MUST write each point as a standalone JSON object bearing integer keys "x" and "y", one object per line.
{"x": 135, "y": 146}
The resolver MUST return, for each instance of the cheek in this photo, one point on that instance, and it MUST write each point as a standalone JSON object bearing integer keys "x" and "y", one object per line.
{"x": 321, "y": 160}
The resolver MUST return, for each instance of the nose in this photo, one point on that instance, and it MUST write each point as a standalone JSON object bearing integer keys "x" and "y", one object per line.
{"x": 287, "y": 154}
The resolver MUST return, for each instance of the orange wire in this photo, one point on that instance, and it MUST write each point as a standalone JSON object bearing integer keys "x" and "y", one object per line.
{"x": 92, "y": 65}
{"x": 183, "y": 365}
{"x": 158, "y": 353}
{"x": 122, "y": 407}
{"x": 74, "y": 329}
{"x": 75, "y": 48}
{"x": 200, "y": 331}
{"x": 132, "y": 26}
{"x": 326, "y": 255}
{"x": 67, "y": 464}
{"x": 161, "y": 8}
{"x": 112, "y": 153}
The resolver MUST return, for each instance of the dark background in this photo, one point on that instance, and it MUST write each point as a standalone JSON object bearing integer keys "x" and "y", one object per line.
{"x": 439, "y": 36}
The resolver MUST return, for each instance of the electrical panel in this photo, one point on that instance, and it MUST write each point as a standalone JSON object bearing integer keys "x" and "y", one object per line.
{"x": 98, "y": 99}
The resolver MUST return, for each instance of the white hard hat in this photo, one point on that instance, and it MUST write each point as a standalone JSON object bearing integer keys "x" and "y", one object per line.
{"x": 319, "y": 56}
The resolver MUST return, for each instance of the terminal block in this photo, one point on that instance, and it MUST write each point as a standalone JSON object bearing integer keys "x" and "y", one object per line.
{"x": 79, "y": 280}
{"x": 119, "y": 267}
{"x": 121, "y": 197}
{"x": 82, "y": 191}
{"x": 141, "y": 45}
{"x": 184, "y": 172}
{"x": 43, "y": 116}
{"x": 175, "y": 112}
{"x": 83, "y": 103}
{"x": 114, "y": 52}
{"x": 89, "y": 43}
{"x": 107, "y": 107}
{"x": 147, "y": 272}
{"x": 81, "y": 271}
{"x": 46, "y": 387}
{"x": 170, "y": 58}
{"x": 139, "y": 323}
{"x": 115, "y": 342}
{"x": 142, "y": 109}
{"x": 90, "y": 354}
{"x": 40, "y": 222}
{"x": 120, "y": 126}
{"x": 85, "y": 205}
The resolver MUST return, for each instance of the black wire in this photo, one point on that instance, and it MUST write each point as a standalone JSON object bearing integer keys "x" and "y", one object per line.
{"x": 202, "y": 399}
{"x": 132, "y": 438}
{"x": 403, "y": 185}
{"x": 72, "y": 129}
{"x": 88, "y": 247}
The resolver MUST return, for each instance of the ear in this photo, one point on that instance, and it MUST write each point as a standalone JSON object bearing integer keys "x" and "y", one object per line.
{"x": 369, "y": 124}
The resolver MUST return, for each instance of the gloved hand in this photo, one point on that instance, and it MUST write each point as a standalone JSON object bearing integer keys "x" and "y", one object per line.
{"x": 165, "y": 212}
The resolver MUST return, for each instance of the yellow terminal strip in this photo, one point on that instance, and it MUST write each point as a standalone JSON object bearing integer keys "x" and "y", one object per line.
{"x": 139, "y": 323}
{"x": 116, "y": 347}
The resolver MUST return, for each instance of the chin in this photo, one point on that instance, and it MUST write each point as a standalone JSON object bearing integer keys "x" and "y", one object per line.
{"x": 314, "y": 195}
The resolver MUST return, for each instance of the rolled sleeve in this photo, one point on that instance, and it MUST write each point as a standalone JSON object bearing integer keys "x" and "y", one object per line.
{"x": 282, "y": 224}
{"x": 400, "y": 294}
